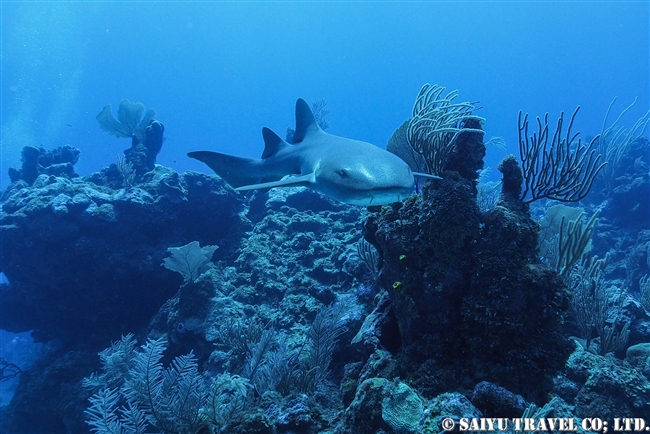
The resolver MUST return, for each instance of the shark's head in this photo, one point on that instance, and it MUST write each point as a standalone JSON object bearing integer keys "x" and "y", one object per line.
{"x": 372, "y": 177}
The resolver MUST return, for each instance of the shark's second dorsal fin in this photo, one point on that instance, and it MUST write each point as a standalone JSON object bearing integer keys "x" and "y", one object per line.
{"x": 272, "y": 143}
{"x": 305, "y": 122}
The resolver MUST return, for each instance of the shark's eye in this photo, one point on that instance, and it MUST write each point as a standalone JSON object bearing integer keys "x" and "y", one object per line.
{"x": 343, "y": 173}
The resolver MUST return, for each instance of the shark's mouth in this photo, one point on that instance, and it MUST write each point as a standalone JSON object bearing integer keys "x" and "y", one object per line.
{"x": 379, "y": 197}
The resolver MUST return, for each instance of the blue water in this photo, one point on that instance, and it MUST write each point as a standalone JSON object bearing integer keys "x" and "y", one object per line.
{"x": 218, "y": 72}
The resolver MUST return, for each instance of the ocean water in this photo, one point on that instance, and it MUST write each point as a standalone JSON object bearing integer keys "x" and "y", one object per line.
{"x": 216, "y": 73}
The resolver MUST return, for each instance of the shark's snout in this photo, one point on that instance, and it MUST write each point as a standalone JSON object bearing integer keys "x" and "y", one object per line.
{"x": 382, "y": 180}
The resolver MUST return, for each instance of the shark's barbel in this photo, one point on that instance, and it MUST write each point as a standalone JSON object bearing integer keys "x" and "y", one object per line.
{"x": 348, "y": 170}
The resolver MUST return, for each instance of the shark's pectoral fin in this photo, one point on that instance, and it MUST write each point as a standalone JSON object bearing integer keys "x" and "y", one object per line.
{"x": 294, "y": 181}
{"x": 426, "y": 175}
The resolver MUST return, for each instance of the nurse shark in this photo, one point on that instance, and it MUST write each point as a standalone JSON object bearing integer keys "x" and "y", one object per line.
{"x": 348, "y": 170}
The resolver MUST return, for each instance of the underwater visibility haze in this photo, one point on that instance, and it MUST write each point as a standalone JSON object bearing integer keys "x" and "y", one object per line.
{"x": 303, "y": 279}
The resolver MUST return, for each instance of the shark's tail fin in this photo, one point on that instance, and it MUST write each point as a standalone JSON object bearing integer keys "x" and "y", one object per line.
{"x": 236, "y": 171}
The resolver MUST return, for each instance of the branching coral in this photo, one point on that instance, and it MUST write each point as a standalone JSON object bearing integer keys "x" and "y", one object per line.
{"x": 136, "y": 392}
{"x": 592, "y": 309}
{"x": 573, "y": 240}
{"x": 437, "y": 123}
{"x": 169, "y": 399}
{"x": 615, "y": 141}
{"x": 563, "y": 169}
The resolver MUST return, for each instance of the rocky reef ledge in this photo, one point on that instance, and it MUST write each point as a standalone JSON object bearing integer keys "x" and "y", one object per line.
{"x": 83, "y": 259}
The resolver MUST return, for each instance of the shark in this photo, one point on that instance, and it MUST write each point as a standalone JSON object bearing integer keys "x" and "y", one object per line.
{"x": 348, "y": 170}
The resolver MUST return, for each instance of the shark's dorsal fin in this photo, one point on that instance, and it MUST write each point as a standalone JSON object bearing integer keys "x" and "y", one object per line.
{"x": 272, "y": 143}
{"x": 305, "y": 121}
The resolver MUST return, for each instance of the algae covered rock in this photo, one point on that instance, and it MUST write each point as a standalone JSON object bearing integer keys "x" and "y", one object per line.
{"x": 39, "y": 161}
{"x": 381, "y": 404}
{"x": 470, "y": 298}
{"x": 84, "y": 260}
{"x": 608, "y": 387}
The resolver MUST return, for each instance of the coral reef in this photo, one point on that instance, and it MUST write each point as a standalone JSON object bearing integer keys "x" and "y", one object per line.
{"x": 623, "y": 234}
{"x": 292, "y": 324}
{"x": 445, "y": 265}
{"x": 83, "y": 262}
{"x": 137, "y": 123}
{"x": 143, "y": 153}
{"x": 84, "y": 252}
{"x": 625, "y": 206}
{"x": 604, "y": 386}
{"x": 52, "y": 389}
{"x": 37, "y": 161}
{"x": 116, "y": 240}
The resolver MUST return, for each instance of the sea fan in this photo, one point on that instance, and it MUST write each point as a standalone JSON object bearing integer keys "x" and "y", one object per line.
{"x": 130, "y": 121}
{"x": 190, "y": 260}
